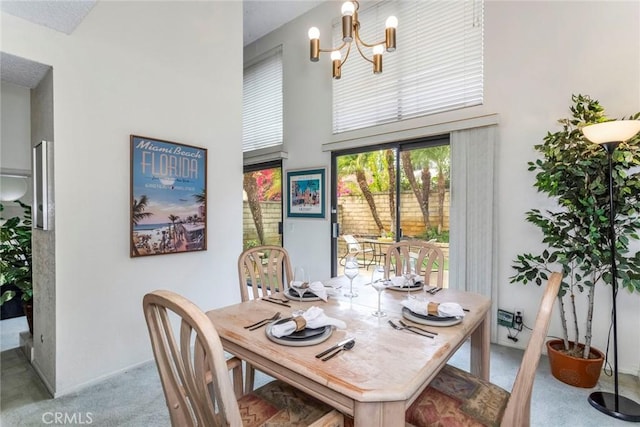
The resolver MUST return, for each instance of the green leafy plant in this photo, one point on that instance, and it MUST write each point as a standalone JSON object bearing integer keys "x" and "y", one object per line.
{"x": 15, "y": 255}
{"x": 248, "y": 244}
{"x": 573, "y": 172}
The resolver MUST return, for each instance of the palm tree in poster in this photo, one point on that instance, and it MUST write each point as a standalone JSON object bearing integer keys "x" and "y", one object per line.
{"x": 201, "y": 199}
{"x": 173, "y": 218}
{"x": 138, "y": 214}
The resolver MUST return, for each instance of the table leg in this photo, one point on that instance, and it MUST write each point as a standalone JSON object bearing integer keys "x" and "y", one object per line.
{"x": 382, "y": 414}
{"x": 481, "y": 348}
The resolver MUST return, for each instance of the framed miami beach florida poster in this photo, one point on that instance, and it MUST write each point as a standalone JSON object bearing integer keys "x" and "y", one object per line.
{"x": 168, "y": 197}
{"x": 306, "y": 190}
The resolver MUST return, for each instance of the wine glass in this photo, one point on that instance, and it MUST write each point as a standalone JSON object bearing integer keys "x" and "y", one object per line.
{"x": 300, "y": 281}
{"x": 379, "y": 283}
{"x": 409, "y": 276}
{"x": 351, "y": 270}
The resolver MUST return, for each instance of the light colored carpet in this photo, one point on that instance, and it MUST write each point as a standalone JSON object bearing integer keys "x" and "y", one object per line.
{"x": 134, "y": 398}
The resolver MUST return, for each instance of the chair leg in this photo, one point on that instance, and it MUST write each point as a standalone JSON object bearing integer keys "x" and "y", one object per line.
{"x": 250, "y": 375}
{"x": 237, "y": 381}
{"x": 235, "y": 365}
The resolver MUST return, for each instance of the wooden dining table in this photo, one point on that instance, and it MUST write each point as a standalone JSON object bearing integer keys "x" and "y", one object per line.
{"x": 387, "y": 369}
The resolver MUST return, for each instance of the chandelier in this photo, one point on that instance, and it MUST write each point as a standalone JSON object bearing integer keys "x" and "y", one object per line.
{"x": 351, "y": 33}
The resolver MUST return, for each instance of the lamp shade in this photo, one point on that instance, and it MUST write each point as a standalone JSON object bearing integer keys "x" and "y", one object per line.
{"x": 614, "y": 131}
{"x": 12, "y": 188}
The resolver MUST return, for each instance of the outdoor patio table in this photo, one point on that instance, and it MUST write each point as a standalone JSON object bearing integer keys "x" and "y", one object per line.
{"x": 387, "y": 369}
{"x": 379, "y": 247}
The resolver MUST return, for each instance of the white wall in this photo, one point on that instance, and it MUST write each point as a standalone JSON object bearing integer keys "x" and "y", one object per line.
{"x": 537, "y": 54}
{"x": 15, "y": 134}
{"x": 15, "y": 130}
{"x": 152, "y": 69}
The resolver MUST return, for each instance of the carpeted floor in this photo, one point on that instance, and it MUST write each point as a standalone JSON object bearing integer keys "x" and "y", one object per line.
{"x": 135, "y": 398}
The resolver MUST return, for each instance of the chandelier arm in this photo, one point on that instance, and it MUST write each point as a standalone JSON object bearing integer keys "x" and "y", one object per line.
{"x": 360, "y": 50}
{"x": 346, "y": 55}
{"x": 366, "y": 44}
{"x": 356, "y": 31}
{"x": 334, "y": 49}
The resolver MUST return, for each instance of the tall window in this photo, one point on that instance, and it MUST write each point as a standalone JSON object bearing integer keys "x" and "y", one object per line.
{"x": 438, "y": 64}
{"x": 262, "y": 103}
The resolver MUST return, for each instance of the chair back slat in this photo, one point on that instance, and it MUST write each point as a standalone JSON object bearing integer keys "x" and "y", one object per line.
{"x": 517, "y": 412}
{"x": 193, "y": 373}
{"x": 427, "y": 258}
{"x": 263, "y": 270}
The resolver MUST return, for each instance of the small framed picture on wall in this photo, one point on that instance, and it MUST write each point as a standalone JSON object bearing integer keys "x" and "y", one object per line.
{"x": 306, "y": 193}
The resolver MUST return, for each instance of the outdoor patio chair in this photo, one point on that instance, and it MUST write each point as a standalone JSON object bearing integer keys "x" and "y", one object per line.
{"x": 354, "y": 248}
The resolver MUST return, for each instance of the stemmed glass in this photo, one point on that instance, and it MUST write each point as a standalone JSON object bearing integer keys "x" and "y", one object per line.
{"x": 409, "y": 277}
{"x": 300, "y": 281}
{"x": 379, "y": 283}
{"x": 351, "y": 271}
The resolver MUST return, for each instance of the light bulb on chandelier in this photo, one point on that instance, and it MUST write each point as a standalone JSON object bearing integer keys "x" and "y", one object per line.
{"x": 350, "y": 34}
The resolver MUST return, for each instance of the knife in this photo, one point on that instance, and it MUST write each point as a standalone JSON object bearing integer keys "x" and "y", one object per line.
{"x": 275, "y": 302}
{"x": 335, "y": 347}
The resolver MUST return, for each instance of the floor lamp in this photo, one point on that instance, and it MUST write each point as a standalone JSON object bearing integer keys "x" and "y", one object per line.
{"x": 609, "y": 135}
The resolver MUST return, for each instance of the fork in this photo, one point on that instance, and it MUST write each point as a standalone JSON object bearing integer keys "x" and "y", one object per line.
{"x": 277, "y": 299}
{"x": 415, "y": 331}
{"x": 416, "y": 327}
{"x": 263, "y": 322}
{"x": 434, "y": 291}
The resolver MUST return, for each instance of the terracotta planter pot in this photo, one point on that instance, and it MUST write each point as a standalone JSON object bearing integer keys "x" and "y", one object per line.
{"x": 574, "y": 371}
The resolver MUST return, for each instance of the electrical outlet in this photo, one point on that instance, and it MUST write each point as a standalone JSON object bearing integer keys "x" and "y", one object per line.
{"x": 505, "y": 318}
{"x": 518, "y": 318}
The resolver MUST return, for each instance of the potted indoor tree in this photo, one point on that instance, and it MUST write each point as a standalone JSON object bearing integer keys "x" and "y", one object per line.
{"x": 16, "y": 260}
{"x": 573, "y": 172}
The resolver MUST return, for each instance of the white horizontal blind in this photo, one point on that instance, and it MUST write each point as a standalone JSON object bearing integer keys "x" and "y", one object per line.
{"x": 262, "y": 103}
{"x": 437, "y": 66}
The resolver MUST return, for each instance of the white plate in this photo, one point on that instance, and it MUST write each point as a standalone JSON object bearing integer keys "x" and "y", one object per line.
{"x": 408, "y": 314}
{"x": 406, "y": 288}
{"x": 328, "y": 330}
{"x": 308, "y": 296}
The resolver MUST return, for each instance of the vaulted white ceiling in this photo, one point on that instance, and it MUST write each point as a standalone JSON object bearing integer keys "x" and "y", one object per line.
{"x": 260, "y": 17}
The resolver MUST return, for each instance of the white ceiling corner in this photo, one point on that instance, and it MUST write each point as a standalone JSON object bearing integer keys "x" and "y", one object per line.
{"x": 20, "y": 71}
{"x": 261, "y": 17}
{"x": 59, "y": 15}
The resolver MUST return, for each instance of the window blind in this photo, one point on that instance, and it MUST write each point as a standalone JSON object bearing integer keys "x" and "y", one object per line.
{"x": 262, "y": 103}
{"x": 437, "y": 66}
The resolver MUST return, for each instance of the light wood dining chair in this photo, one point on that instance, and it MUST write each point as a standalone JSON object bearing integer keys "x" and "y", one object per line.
{"x": 262, "y": 270}
{"x": 427, "y": 258}
{"x": 196, "y": 382}
{"x": 455, "y": 397}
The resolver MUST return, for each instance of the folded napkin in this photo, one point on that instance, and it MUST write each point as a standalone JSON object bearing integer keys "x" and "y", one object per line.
{"x": 314, "y": 317}
{"x": 316, "y": 288}
{"x": 401, "y": 281}
{"x": 440, "y": 309}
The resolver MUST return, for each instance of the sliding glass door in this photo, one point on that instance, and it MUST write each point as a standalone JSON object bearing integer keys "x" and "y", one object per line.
{"x": 386, "y": 193}
{"x": 262, "y": 205}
